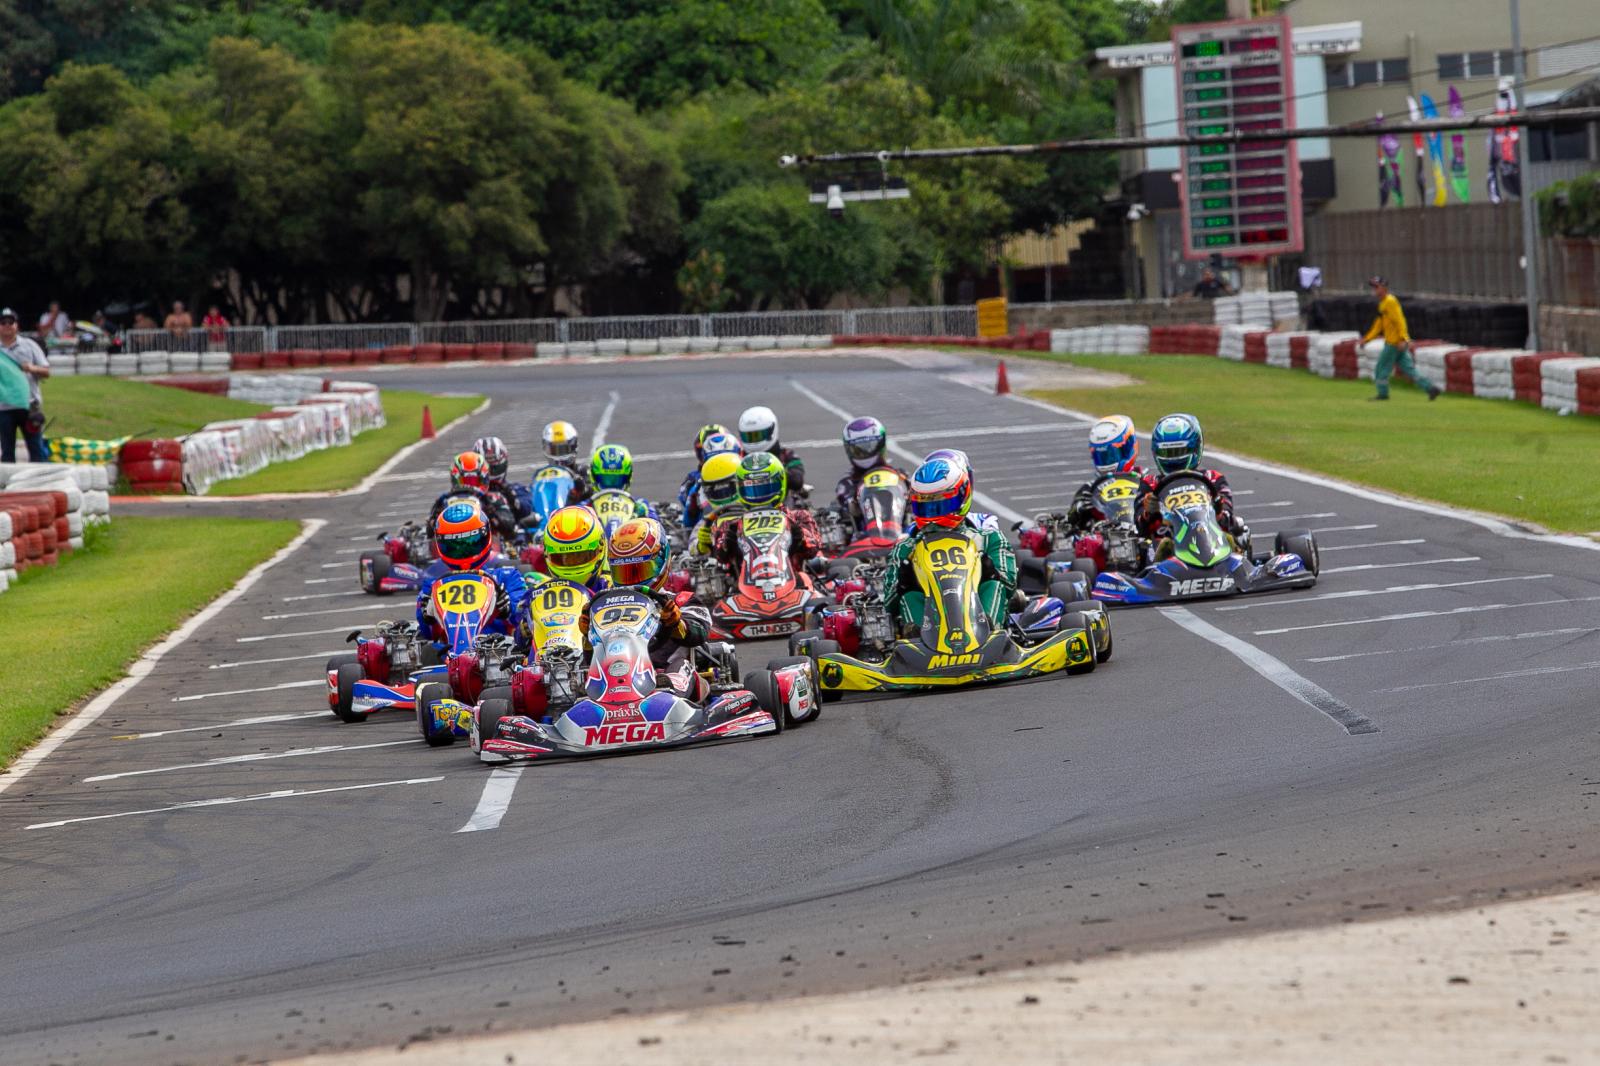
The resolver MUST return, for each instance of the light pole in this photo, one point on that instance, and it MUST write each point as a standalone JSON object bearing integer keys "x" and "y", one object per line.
{"x": 1530, "y": 224}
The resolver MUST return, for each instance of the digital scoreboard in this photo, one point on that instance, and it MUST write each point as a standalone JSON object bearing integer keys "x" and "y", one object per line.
{"x": 1240, "y": 199}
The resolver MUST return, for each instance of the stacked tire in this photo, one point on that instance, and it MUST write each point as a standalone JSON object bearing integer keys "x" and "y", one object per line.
{"x": 153, "y": 467}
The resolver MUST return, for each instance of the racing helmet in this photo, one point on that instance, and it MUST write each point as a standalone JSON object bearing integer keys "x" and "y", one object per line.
{"x": 1113, "y": 445}
{"x": 493, "y": 450}
{"x": 708, "y": 430}
{"x": 1176, "y": 443}
{"x": 763, "y": 481}
{"x": 865, "y": 441}
{"x": 469, "y": 470}
{"x": 758, "y": 429}
{"x": 461, "y": 534}
{"x": 941, "y": 492}
{"x": 719, "y": 479}
{"x": 611, "y": 467}
{"x": 723, "y": 443}
{"x": 574, "y": 544}
{"x": 639, "y": 553}
{"x": 954, "y": 455}
{"x": 560, "y": 440}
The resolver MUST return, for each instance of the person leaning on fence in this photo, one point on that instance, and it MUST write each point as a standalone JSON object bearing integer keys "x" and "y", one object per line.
{"x": 22, "y": 367}
{"x": 179, "y": 323}
{"x": 216, "y": 327}
{"x": 1391, "y": 322}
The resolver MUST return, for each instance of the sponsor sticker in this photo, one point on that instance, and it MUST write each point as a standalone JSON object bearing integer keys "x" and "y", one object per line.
{"x": 940, "y": 662}
{"x": 628, "y": 733}
{"x": 770, "y": 629}
{"x": 1199, "y": 586}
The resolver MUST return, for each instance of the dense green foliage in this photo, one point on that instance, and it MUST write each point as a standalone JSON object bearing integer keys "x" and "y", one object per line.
{"x": 300, "y": 160}
{"x": 1571, "y": 208}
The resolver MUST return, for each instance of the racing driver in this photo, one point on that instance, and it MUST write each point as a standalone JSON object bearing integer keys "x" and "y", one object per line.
{"x": 1113, "y": 449}
{"x": 560, "y": 440}
{"x": 866, "y": 444}
{"x": 1178, "y": 445}
{"x": 469, "y": 479}
{"x": 493, "y": 450}
{"x": 640, "y": 557}
{"x": 758, "y": 432}
{"x": 763, "y": 483}
{"x": 464, "y": 542}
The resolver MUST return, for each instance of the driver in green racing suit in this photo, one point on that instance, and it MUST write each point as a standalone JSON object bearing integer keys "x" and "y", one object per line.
{"x": 941, "y": 494}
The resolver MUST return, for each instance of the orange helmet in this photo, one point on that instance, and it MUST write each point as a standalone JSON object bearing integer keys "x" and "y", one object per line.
{"x": 462, "y": 535}
{"x": 470, "y": 470}
{"x": 639, "y": 553}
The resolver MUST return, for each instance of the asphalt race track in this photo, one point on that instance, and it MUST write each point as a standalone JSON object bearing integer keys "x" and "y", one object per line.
{"x": 1419, "y": 730}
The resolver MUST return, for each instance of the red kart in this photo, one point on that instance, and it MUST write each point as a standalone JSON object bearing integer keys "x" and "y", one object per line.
{"x": 770, "y": 597}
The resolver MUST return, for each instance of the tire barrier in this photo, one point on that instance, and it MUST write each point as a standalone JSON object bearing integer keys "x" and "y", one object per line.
{"x": 44, "y": 508}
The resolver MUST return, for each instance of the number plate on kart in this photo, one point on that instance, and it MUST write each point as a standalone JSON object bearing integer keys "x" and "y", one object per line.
{"x": 463, "y": 594}
{"x": 1118, "y": 489}
{"x": 878, "y": 479}
{"x": 1184, "y": 498}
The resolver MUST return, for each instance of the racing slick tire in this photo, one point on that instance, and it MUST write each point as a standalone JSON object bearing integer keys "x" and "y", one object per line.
{"x": 349, "y": 674}
{"x": 497, "y": 692}
{"x": 431, "y": 692}
{"x": 1068, "y": 592}
{"x": 816, "y": 686}
{"x": 818, "y": 649}
{"x": 1299, "y": 542}
{"x": 799, "y": 642}
{"x": 842, "y": 569}
{"x": 429, "y": 655}
{"x": 489, "y": 714}
{"x": 1078, "y": 620}
{"x": 764, "y": 687}
{"x": 380, "y": 569}
{"x": 1087, "y": 568}
{"x": 1085, "y": 607}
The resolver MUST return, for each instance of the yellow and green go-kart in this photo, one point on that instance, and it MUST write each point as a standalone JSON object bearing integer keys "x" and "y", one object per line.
{"x": 956, "y": 644}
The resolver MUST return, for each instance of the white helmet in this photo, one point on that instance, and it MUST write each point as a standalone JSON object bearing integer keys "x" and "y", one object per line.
{"x": 560, "y": 440}
{"x": 758, "y": 430}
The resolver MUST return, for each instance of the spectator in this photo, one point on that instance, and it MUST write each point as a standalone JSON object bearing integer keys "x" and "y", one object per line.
{"x": 216, "y": 328}
{"x": 1210, "y": 286}
{"x": 142, "y": 320}
{"x": 1396, "y": 355}
{"x": 22, "y": 367}
{"x": 54, "y": 324}
{"x": 179, "y": 323}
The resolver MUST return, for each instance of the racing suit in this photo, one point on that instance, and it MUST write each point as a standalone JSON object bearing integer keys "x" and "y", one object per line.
{"x": 511, "y": 604}
{"x": 705, "y": 532}
{"x": 1084, "y": 512}
{"x": 684, "y": 627}
{"x": 501, "y": 518}
{"x": 517, "y": 502}
{"x": 794, "y": 469}
{"x": 903, "y": 595}
{"x": 805, "y": 540}
{"x": 581, "y": 488}
{"x": 1153, "y": 525}
{"x": 690, "y": 500}
{"x": 844, "y": 493}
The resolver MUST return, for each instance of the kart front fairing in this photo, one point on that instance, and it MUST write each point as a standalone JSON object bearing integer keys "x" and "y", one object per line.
{"x": 1174, "y": 580}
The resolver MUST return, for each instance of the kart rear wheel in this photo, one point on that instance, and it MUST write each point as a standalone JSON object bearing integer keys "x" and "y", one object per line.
{"x": 842, "y": 569}
{"x": 818, "y": 649}
{"x": 381, "y": 565}
{"x": 349, "y": 674}
{"x": 798, "y": 642}
{"x": 1299, "y": 542}
{"x": 1079, "y": 620}
{"x": 764, "y": 687}
{"x": 498, "y": 692}
{"x": 1087, "y": 568}
{"x": 489, "y": 714}
{"x": 427, "y": 694}
{"x": 429, "y": 655}
{"x": 816, "y": 686}
{"x": 1068, "y": 592}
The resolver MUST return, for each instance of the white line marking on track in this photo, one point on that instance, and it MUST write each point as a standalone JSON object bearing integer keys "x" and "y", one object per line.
{"x": 1274, "y": 670}
{"x": 261, "y": 719}
{"x": 280, "y": 659}
{"x": 1374, "y": 544}
{"x": 350, "y": 551}
{"x": 1345, "y": 529}
{"x": 1400, "y": 566}
{"x": 1274, "y": 503}
{"x": 316, "y": 613}
{"x": 382, "y": 473}
{"x": 1060, "y": 494}
{"x": 602, "y": 427}
{"x": 332, "y": 566}
{"x": 1532, "y": 671}
{"x": 1298, "y": 517}
{"x": 258, "y": 756}
{"x": 287, "y": 793}
{"x": 147, "y": 662}
{"x": 1495, "y": 639}
{"x": 495, "y": 800}
{"x": 323, "y": 596}
{"x": 321, "y": 580}
{"x": 1476, "y": 608}
{"x": 988, "y": 503}
{"x": 1357, "y": 594}
{"x": 304, "y": 633}
{"x": 249, "y": 691}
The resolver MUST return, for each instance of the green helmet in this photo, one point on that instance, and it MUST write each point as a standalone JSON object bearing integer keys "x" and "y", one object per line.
{"x": 763, "y": 481}
{"x": 611, "y": 467}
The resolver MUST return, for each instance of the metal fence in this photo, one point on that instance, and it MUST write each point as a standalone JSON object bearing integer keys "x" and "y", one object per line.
{"x": 234, "y": 339}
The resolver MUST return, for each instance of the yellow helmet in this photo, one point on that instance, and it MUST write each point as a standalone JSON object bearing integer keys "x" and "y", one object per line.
{"x": 574, "y": 545}
{"x": 719, "y": 479}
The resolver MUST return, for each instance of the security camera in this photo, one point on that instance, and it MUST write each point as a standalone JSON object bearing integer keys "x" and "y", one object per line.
{"x": 1137, "y": 211}
{"x": 835, "y": 201}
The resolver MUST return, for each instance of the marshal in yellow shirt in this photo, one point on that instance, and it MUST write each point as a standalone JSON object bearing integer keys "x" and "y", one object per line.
{"x": 1391, "y": 322}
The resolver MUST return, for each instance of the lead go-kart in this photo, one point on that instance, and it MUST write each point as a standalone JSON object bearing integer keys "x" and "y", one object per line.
{"x": 1198, "y": 560}
{"x": 626, "y": 704}
{"x": 857, "y": 650}
{"x": 768, "y": 597}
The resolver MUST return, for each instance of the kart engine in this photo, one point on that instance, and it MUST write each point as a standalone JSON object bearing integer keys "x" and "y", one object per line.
{"x": 562, "y": 668}
{"x": 707, "y": 579}
{"x": 872, "y": 616}
{"x": 494, "y": 652}
{"x": 400, "y": 638}
{"x": 1057, "y": 531}
{"x": 835, "y": 531}
{"x": 1124, "y": 551}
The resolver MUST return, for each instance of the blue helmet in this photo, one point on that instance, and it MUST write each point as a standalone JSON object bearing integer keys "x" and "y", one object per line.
{"x": 1177, "y": 443}
{"x": 1113, "y": 445}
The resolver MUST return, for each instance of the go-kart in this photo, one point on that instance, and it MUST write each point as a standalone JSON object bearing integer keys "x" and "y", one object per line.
{"x": 857, "y": 649}
{"x": 612, "y": 507}
{"x": 769, "y": 597}
{"x": 881, "y": 500}
{"x": 389, "y": 669}
{"x": 549, "y": 491}
{"x": 1200, "y": 561}
{"x": 627, "y": 705}
{"x": 406, "y": 561}
{"x": 1050, "y": 549}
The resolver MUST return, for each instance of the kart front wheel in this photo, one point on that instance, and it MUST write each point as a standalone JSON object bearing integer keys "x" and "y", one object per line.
{"x": 489, "y": 714}
{"x": 344, "y": 694}
{"x": 498, "y": 692}
{"x": 372, "y": 576}
{"x": 1089, "y": 608}
{"x": 815, "y": 652}
{"x": 816, "y": 686}
{"x": 1079, "y": 620}
{"x": 1299, "y": 542}
{"x": 800, "y": 643}
{"x": 764, "y": 687}
{"x": 426, "y": 696}
{"x": 1068, "y": 591}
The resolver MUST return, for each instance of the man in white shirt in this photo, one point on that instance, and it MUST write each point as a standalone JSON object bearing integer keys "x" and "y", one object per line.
{"x": 54, "y": 323}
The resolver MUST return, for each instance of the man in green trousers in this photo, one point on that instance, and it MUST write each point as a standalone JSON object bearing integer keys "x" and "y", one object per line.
{"x": 1391, "y": 322}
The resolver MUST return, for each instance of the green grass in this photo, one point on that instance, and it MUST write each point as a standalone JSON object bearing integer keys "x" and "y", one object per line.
{"x": 72, "y": 629}
{"x": 1499, "y": 456}
{"x": 340, "y": 468}
{"x": 102, "y": 408}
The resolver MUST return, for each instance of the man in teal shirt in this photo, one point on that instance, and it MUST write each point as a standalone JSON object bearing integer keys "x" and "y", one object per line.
{"x": 22, "y": 366}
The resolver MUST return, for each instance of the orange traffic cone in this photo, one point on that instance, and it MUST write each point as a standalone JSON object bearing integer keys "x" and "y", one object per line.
{"x": 1002, "y": 384}
{"x": 427, "y": 423}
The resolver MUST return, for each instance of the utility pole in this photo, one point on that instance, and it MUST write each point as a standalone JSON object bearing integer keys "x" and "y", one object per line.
{"x": 1530, "y": 224}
